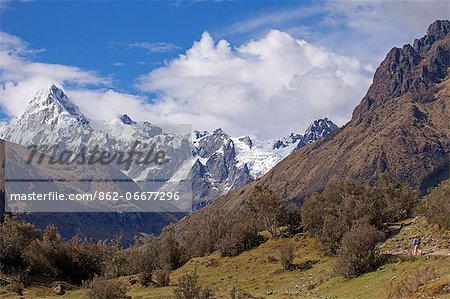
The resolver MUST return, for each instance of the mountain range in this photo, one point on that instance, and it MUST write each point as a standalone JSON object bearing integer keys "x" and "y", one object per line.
{"x": 213, "y": 161}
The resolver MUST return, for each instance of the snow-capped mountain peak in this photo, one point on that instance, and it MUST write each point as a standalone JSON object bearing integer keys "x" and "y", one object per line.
{"x": 125, "y": 119}
{"x": 223, "y": 162}
{"x": 53, "y": 106}
{"x": 316, "y": 130}
{"x": 287, "y": 141}
{"x": 198, "y": 134}
{"x": 125, "y": 128}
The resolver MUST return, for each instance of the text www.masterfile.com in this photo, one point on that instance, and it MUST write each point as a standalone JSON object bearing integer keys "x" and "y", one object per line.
{"x": 96, "y": 195}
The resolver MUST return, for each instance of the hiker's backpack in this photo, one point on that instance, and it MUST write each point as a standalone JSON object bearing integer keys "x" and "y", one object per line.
{"x": 416, "y": 241}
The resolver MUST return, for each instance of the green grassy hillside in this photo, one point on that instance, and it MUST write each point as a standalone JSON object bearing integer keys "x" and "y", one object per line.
{"x": 258, "y": 272}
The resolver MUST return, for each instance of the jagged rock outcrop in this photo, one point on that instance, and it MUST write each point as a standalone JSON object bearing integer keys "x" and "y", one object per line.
{"x": 316, "y": 131}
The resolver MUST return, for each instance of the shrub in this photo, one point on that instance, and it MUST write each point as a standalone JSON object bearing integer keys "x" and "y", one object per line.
{"x": 15, "y": 235}
{"x": 171, "y": 253}
{"x": 162, "y": 277}
{"x": 206, "y": 237}
{"x": 117, "y": 264}
{"x": 287, "y": 255}
{"x": 240, "y": 294}
{"x": 399, "y": 200}
{"x": 290, "y": 215}
{"x": 406, "y": 286}
{"x": 271, "y": 259}
{"x": 188, "y": 288}
{"x": 313, "y": 211}
{"x": 436, "y": 205}
{"x": 103, "y": 288}
{"x": 74, "y": 260}
{"x": 329, "y": 215}
{"x": 242, "y": 237}
{"x": 357, "y": 254}
{"x": 266, "y": 206}
{"x": 332, "y": 232}
{"x": 147, "y": 259}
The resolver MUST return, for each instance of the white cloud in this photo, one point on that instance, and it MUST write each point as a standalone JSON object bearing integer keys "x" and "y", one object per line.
{"x": 20, "y": 77}
{"x": 379, "y": 17}
{"x": 369, "y": 29}
{"x": 364, "y": 29}
{"x": 152, "y": 47}
{"x": 118, "y": 63}
{"x": 267, "y": 87}
{"x": 274, "y": 19}
{"x": 105, "y": 105}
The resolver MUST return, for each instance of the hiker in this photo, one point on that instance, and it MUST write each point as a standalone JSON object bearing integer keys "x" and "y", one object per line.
{"x": 416, "y": 243}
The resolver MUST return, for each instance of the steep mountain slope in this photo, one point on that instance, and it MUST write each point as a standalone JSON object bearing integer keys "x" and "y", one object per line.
{"x": 401, "y": 126}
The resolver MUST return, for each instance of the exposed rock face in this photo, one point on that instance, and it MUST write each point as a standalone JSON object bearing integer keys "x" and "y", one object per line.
{"x": 126, "y": 119}
{"x": 401, "y": 126}
{"x": 413, "y": 69}
{"x": 287, "y": 141}
{"x": 216, "y": 169}
{"x": 225, "y": 163}
{"x": 316, "y": 131}
{"x": 247, "y": 141}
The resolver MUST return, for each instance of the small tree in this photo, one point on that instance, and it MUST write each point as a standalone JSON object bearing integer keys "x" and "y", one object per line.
{"x": 242, "y": 236}
{"x": 287, "y": 255}
{"x": 333, "y": 230}
{"x": 73, "y": 260}
{"x": 147, "y": 262}
{"x": 357, "y": 254}
{"x": 436, "y": 205}
{"x": 103, "y": 288}
{"x": 313, "y": 212}
{"x": 15, "y": 235}
{"x": 399, "y": 199}
{"x": 171, "y": 254}
{"x": 289, "y": 215}
{"x": 188, "y": 288}
{"x": 162, "y": 277}
{"x": 266, "y": 204}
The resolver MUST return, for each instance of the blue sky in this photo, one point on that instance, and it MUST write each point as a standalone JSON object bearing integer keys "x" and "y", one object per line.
{"x": 264, "y": 68}
{"x": 99, "y": 35}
